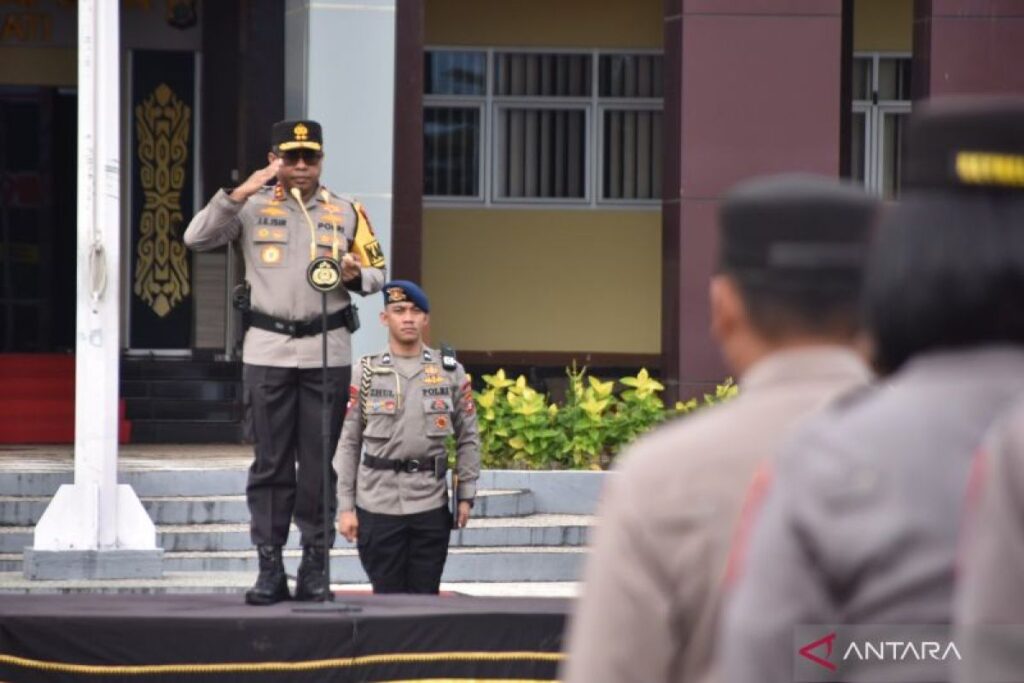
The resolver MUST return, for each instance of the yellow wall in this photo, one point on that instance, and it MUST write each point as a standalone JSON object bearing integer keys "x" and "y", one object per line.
{"x": 545, "y": 23}
{"x": 43, "y": 66}
{"x": 537, "y": 280}
{"x": 883, "y": 25}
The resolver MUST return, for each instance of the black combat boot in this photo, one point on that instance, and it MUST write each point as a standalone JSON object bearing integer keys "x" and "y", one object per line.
{"x": 310, "y": 582}
{"x": 272, "y": 584}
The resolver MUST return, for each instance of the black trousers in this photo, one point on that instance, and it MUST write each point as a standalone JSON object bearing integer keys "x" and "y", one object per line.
{"x": 283, "y": 406}
{"x": 404, "y": 553}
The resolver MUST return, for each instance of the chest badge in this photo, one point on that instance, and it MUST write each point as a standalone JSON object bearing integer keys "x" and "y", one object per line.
{"x": 441, "y": 422}
{"x": 270, "y": 255}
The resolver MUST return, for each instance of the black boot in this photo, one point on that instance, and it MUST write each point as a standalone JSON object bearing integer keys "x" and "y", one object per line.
{"x": 272, "y": 584}
{"x": 310, "y": 581}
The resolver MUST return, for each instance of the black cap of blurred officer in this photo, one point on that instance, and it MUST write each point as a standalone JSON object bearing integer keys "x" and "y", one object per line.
{"x": 791, "y": 260}
{"x": 947, "y": 270}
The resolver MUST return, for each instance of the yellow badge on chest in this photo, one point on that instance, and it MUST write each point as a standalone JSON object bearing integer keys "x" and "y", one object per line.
{"x": 270, "y": 255}
{"x": 271, "y": 210}
{"x": 433, "y": 379}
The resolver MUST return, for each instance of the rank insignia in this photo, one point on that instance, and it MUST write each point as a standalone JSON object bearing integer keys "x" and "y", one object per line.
{"x": 395, "y": 294}
{"x": 431, "y": 370}
{"x": 433, "y": 379}
{"x": 331, "y": 208}
{"x": 270, "y": 255}
{"x": 271, "y": 210}
{"x": 300, "y": 131}
{"x": 441, "y": 422}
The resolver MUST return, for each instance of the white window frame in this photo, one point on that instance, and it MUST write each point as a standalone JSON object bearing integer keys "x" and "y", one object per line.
{"x": 593, "y": 105}
{"x": 875, "y": 116}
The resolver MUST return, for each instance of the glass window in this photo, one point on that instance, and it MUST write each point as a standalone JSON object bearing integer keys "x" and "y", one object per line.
{"x": 532, "y": 74}
{"x": 542, "y": 153}
{"x": 451, "y": 151}
{"x": 632, "y": 155}
{"x": 881, "y": 94}
{"x": 515, "y": 125}
{"x": 454, "y": 72}
{"x": 631, "y": 76}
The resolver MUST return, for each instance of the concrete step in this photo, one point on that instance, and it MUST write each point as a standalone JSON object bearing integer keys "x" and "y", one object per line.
{"x": 518, "y": 563}
{"x": 25, "y": 510}
{"x": 536, "y": 530}
{"x": 239, "y": 582}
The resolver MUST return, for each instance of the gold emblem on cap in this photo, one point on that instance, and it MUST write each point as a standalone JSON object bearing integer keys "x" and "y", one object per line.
{"x": 395, "y": 294}
{"x": 301, "y": 132}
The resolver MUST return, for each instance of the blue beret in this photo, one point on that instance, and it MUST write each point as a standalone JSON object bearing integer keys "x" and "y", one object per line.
{"x": 398, "y": 291}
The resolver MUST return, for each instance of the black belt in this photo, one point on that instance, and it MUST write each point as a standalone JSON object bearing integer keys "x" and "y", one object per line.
{"x": 292, "y": 328}
{"x": 408, "y": 465}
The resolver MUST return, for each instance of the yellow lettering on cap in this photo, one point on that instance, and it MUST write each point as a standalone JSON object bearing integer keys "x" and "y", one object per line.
{"x": 985, "y": 168}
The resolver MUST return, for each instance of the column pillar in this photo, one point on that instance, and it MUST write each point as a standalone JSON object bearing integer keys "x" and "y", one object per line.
{"x": 752, "y": 87}
{"x": 968, "y": 47}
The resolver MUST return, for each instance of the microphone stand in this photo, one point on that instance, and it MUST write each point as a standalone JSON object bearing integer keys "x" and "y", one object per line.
{"x": 323, "y": 275}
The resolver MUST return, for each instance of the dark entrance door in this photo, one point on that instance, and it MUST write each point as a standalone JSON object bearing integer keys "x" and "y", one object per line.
{"x": 38, "y": 137}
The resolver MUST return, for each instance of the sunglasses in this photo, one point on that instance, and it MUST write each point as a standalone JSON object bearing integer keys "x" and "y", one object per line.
{"x": 308, "y": 156}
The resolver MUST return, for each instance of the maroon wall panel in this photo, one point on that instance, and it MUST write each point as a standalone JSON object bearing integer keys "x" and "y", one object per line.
{"x": 757, "y": 91}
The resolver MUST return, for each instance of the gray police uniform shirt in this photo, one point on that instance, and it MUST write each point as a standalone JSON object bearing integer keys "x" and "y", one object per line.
{"x": 409, "y": 414}
{"x": 651, "y": 593}
{"x": 275, "y": 243}
{"x": 860, "y": 522}
{"x": 989, "y": 602}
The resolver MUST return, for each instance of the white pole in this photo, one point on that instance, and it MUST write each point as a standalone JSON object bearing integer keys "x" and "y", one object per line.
{"x": 95, "y": 514}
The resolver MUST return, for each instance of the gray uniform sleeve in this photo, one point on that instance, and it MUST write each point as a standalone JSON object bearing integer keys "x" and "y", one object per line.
{"x": 346, "y": 455}
{"x": 622, "y": 628}
{"x": 778, "y": 586}
{"x": 217, "y": 224}
{"x": 372, "y": 279}
{"x": 991, "y": 586}
{"x": 467, "y": 436}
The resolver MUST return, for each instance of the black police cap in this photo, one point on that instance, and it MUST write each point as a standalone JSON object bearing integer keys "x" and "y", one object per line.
{"x": 304, "y": 134}
{"x": 966, "y": 144}
{"x": 795, "y": 225}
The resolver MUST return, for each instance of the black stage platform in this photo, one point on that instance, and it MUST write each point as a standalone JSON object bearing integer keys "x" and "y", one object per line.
{"x": 84, "y": 637}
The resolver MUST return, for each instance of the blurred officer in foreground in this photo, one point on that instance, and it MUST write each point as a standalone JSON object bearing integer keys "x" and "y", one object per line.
{"x": 784, "y": 310}
{"x": 392, "y": 456}
{"x": 861, "y": 520}
{"x": 280, "y": 229}
{"x": 989, "y": 606}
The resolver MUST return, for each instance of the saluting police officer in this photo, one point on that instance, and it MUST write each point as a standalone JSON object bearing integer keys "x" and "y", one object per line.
{"x": 392, "y": 457}
{"x": 280, "y": 229}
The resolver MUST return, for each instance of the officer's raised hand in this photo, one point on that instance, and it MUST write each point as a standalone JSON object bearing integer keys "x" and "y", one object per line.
{"x": 348, "y": 525}
{"x": 350, "y": 269}
{"x": 257, "y": 180}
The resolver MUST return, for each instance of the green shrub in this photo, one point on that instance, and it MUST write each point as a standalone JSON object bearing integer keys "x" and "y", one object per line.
{"x": 521, "y": 428}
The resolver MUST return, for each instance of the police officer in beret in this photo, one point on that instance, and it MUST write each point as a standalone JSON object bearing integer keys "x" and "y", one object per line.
{"x": 784, "y": 311}
{"x": 280, "y": 228}
{"x": 860, "y": 523}
{"x": 405, "y": 403}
